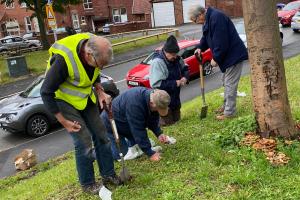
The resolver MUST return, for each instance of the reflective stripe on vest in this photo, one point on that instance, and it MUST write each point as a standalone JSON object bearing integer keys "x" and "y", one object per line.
{"x": 73, "y": 92}
{"x": 72, "y": 60}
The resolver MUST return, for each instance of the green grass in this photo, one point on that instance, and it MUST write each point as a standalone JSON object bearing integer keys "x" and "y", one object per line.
{"x": 205, "y": 163}
{"x": 36, "y": 61}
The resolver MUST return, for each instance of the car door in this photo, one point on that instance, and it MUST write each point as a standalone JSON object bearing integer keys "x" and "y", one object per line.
{"x": 188, "y": 55}
{"x": 19, "y": 43}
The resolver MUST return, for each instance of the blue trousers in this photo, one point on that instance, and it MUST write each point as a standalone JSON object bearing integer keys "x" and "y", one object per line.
{"x": 92, "y": 132}
{"x": 126, "y": 139}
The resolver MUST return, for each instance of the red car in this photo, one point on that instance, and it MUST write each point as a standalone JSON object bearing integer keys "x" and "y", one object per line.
{"x": 286, "y": 14}
{"x": 139, "y": 74}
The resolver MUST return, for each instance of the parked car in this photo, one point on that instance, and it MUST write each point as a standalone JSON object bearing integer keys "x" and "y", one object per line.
{"x": 139, "y": 74}
{"x": 285, "y": 15}
{"x": 16, "y": 42}
{"x": 106, "y": 29}
{"x": 25, "y": 112}
{"x": 30, "y": 36}
{"x": 279, "y": 6}
{"x": 295, "y": 25}
{"x": 240, "y": 28}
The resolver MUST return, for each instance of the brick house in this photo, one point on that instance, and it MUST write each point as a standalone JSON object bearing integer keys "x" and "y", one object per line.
{"x": 93, "y": 14}
{"x": 89, "y": 15}
{"x": 15, "y": 20}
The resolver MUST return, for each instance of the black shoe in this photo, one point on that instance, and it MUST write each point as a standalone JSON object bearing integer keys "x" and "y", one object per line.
{"x": 92, "y": 188}
{"x": 113, "y": 179}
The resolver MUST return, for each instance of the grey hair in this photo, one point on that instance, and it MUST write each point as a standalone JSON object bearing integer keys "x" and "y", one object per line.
{"x": 99, "y": 52}
{"x": 195, "y": 11}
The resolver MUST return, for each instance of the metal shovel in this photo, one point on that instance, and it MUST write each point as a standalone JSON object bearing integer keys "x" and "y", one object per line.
{"x": 204, "y": 105}
{"x": 124, "y": 174}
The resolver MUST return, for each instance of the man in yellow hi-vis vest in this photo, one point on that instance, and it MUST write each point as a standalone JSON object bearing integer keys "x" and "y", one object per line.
{"x": 73, "y": 69}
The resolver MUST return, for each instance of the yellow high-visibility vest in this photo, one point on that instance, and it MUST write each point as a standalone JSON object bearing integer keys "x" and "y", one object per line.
{"x": 78, "y": 87}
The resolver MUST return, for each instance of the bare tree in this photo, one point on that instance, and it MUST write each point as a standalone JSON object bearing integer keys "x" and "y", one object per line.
{"x": 269, "y": 90}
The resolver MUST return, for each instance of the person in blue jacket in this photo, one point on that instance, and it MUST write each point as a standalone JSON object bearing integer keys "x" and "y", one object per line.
{"x": 168, "y": 72}
{"x": 134, "y": 111}
{"x": 229, "y": 52}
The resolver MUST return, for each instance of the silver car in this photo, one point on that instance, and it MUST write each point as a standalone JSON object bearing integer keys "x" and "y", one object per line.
{"x": 240, "y": 28}
{"x": 15, "y": 42}
{"x": 295, "y": 25}
{"x": 25, "y": 112}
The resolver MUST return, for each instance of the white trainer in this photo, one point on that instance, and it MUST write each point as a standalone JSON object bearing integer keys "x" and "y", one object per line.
{"x": 132, "y": 153}
{"x": 157, "y": 148}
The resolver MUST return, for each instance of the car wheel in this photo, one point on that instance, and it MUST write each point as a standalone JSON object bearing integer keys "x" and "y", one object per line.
{"x": 37, "y": 126}
{"x": 207, "y": 68}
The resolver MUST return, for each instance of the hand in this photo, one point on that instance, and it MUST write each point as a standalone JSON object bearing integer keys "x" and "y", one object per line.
{"x": 183, "y": 81}
{"x": 213, "y": 63}
{"x": 178, "y": 83}
{"x": 103, "y": 97}
{"x": 71, "y": 126}
{"x": 197, "y": 52}
{"x": 155, "y": 157}
{"x": 163, "y": 138}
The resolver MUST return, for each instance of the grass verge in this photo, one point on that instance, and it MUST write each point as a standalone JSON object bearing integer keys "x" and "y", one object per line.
{"x": 205, "y": 163}
{"x": 36, "y": 61}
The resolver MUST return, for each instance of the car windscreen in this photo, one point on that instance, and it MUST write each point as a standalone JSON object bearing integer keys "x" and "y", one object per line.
{"x": 33, "y": 90}
{"x": 240, "y": 28}
{"x": 291, "y": 6}
{"x": 149, "y": 59}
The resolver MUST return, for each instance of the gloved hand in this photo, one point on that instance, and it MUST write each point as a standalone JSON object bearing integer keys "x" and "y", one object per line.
{"x": 155, "y": 157}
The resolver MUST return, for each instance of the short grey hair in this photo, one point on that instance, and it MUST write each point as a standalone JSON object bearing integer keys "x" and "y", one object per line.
{"x": 195, "y": 11}
{"x": 160, "y": 98}
{"x": 99, "y": 52}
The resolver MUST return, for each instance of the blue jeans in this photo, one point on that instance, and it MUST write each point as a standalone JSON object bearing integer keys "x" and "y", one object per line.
{"x": 125, "y": 142}
{"x": 92, "y": 132}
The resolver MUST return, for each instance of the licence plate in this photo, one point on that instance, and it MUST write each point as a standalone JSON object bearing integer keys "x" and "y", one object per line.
{"x": 133, "y": 83}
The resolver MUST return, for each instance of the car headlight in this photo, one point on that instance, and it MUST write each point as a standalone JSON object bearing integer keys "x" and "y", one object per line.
{"x": 146, "y": 77}
{"x": 9, "y": 117}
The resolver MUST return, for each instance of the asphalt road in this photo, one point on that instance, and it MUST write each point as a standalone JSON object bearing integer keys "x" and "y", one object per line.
{"x": 58, "y": 142}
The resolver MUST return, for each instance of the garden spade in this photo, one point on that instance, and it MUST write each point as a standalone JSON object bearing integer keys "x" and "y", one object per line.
{"x": 124, "y": 174}
{"x": 204, "y": 105}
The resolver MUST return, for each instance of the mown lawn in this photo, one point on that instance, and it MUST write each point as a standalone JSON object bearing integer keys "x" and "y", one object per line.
{"x": 205, "y": 163}
{"x": 36, "y": 61}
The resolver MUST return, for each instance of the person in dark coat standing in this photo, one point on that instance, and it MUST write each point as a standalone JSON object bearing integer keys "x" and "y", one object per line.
{"x": 229, "y": 52}
{"x": 168, "y": 72}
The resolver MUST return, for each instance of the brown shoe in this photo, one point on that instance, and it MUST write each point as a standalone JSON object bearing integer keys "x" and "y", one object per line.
{"x": 223, "y": 117}
{"x": 92, "y": 188}
{"x": 220, "y": 110}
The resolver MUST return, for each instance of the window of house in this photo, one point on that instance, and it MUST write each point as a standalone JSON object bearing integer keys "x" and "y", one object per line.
{"x": 75, "y": 20}
{"x": 9, "y": 5}
{"x": 23, "y": 5}
{"x": 123, "y": 15}
{"x": 28, "y": 24}
{"x": 87, "y": 4}
{"x": 83, "y": 20}
{"x": 119, "y": 15}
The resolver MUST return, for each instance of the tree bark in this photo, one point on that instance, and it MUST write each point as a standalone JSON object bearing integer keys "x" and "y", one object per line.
{"x": 269, "y": 90}
{"x": 39, "y": 15}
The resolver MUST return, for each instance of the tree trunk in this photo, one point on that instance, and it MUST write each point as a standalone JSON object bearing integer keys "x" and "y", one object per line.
{"x": 269, "y": 91}
{"x": 39, "y": 15}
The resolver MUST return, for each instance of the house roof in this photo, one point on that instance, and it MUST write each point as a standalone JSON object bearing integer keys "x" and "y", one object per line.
{"x": 141, "y": 7}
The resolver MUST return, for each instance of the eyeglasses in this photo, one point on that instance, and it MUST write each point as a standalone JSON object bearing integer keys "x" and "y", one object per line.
{"x": 98, "y": 66}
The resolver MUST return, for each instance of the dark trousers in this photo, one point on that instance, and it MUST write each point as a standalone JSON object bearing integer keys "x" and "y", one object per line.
{"x": 126, "y": 138}
{"x": 92, "y": 132}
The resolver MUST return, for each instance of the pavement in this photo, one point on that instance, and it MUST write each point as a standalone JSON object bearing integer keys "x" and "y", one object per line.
{"x": 58, "y": 142}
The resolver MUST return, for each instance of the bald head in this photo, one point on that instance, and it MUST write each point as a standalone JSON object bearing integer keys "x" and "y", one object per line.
{"x": 100, "y": 50}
